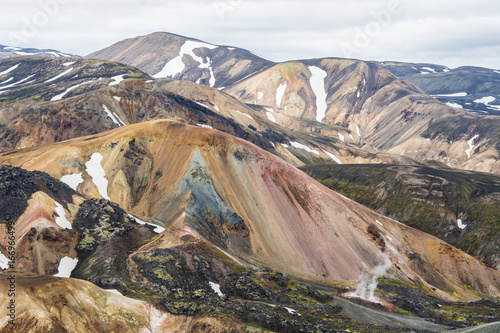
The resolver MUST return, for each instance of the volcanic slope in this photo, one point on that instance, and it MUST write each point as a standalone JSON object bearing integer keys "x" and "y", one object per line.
{"x": 353, "y": 101}
{"x": 95, "y": 99}
{"x": 253, "y": 205}
{"x": 460, "y": 207}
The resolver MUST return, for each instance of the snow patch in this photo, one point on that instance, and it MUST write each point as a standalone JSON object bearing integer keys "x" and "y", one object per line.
{"x": 60, "y": 96}
{"x": 333, "y": 157}
{"x": 379, "y": 222}
{"x": 485, "y": 100}
{"x": 60, "y": 75}
{"x": 95, "y": 170}
{"x": 306, "y": 148}
{"x": 117, "y": 79}
{"x": 110, "y": 115}
{"x": 280, "y": 93}
{"x": 66, "y": 64}
{"x": 66, "y": 266}
{"x": 357, "y": 130}
{"x": 72, "y": 180}
{"x": 285, "y": 145}
{"x": 317, "y": 82}
{"x": 246, "y": 115}
{"x": 176, "y": 65}
{"x": 454, "y": 105}
{"x": 429, "y": 69}
{"x": 216, "y": 288}
{"x": 61, "y": 219}
{"x": 18, "y": 82}
{"x": 461, "y": 224}
{"x": 471, "y": 145}
{"x": 117, "y": 98}
{"x": 8, "y": 80}
{"x": 8, "y": 70}
{"x": 292, "y": 311}
{"x": 270, "y": 116}
{"x": 260, "y": 95}
{"x": 4, "y": 262}
{"x": 158, "y": 229}
{"x": 204, "y": 126}
{"x": 352, "y": 138}
{"x": 341, "y": 137}
{"x": 459, "y": 94}
{"x": 216, "y": 108}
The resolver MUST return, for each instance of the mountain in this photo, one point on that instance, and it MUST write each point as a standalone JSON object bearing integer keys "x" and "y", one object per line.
{"x": 11, "y": 51}
{"x": 356, "y": 102}
{"x": 472, "y": 88}
{"x": 52, "y": 100}
{"x": 168, "y": 55}
{"x": 460, "y": 207}
{"x": 216, "y": 211}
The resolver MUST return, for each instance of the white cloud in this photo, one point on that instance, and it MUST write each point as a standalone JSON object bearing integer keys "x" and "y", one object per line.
{"x": 446, "y": 32}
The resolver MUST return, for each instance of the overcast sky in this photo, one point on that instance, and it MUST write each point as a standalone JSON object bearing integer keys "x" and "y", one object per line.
{"x": 452, "y": 33}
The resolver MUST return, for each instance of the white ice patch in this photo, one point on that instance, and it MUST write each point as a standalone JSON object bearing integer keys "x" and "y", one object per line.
{"x": 270, "y": 116}
{"x": 61, "y": 219}
{"x": 454, "y": 105}
{"x": 66, "y": 266}
{"x": 280, "y": 93}
{"x": 379, "y": 222}
{"x": 333, "y": 157}
{"x": 176, "y": 65}
{"x": 269, "y": 109}
{"x": 117, "y": 79}
{"x": 317, "y": 82}
{"x": 341, "y": 137}
{"x": 459, "y": 94}
{"x": 60, "y": 75}
{"x": 216, "y": 108}
{"x": 60, "y": 96}
{"x": 471, "y": 145}
{"x": 285, "y": 145}
{"x": 66, "y": 64}
{"x": 17, "y": 83}
{"x": 110, "y": 115}
{"x": 429, "y": 69}
{"x": 8, "y": 70}
{"x": 485, "y": 100}
{"x": 117, "y": 98}
{"x": 246, "y": 115}
{"x": 158, "y": 229}
{"x": 306, "y": 148}
{"x": 352, "y": 138}
{"x": 4, "y": 262}
{"x": 216, "y": 288}
{"x": 8, "y": 80}
{"x": 72, "y": 180}
{"x": 95, "y": 170}
{"x": 204, "y": 126}
{"x": 446, "y": 70}
{"x": 260, "y": 95}
{"x": 357, "y": 130}
{"x": 292, "y": 311}
{"x": 461, "y": 224}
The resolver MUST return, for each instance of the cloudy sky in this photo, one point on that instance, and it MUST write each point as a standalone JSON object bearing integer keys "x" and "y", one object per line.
{"x": 452, "y": 33}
